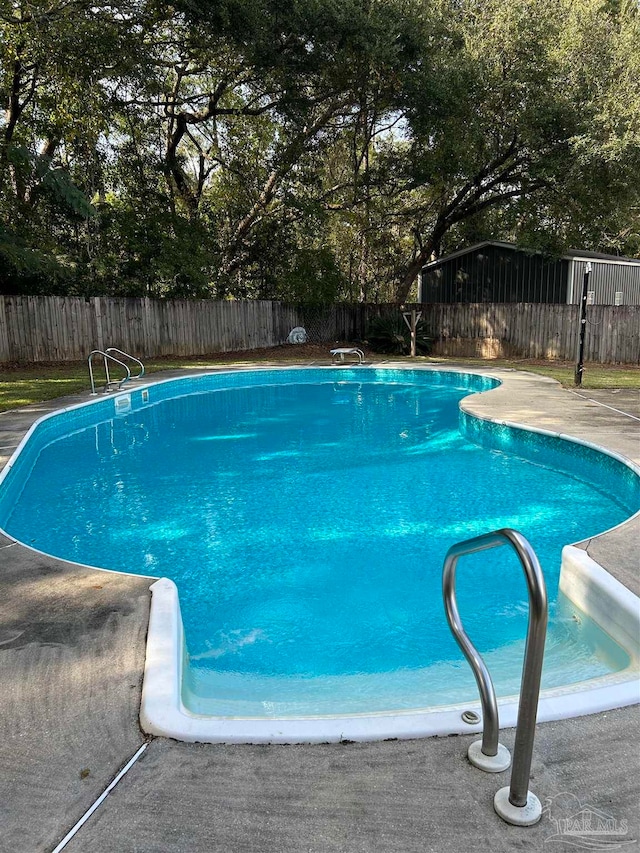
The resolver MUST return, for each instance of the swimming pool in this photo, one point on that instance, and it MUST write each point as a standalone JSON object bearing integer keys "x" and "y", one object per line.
{"x": 324, "y": 526}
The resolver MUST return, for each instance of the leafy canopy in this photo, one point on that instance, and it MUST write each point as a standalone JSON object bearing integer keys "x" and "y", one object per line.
{"x": 308, "y": 149}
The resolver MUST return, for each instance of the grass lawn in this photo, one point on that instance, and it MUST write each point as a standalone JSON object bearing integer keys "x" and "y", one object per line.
{"x": 594, "y": 375}
{"x": 34, "y": 383}
{"x": 22, "y": 384}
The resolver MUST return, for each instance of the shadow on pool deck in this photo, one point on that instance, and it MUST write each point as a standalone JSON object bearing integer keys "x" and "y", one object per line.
{"x": 71, "y": 659}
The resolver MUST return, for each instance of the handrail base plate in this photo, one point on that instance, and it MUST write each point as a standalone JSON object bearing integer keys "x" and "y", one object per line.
{"x": 489, "y": 763}
{"x": 527, "y": 815}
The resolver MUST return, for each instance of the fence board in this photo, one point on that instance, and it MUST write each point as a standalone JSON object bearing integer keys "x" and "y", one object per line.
{"x": 67, "y": 328}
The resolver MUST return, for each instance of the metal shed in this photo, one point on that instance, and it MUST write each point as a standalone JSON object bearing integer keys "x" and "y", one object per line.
{"x": 497, "y": 272}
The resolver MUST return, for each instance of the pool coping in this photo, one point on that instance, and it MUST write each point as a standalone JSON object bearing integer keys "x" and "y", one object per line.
{"x": 160, "y": 703}
{"x": 164, "y": 713}
{"x": 397, "y": 796}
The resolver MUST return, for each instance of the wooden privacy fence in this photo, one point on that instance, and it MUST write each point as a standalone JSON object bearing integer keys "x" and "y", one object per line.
{"x": 52, "y": 328}
{"x": 536, "y": 330}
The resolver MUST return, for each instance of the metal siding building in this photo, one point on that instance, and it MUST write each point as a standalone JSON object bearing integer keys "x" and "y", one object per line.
{"x": 500, "y": 272}
{"x": 611, "y": 282}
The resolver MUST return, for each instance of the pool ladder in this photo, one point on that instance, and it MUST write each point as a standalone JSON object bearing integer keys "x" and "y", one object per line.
{"x": 107, "y": 356}
{"x": 515, "y": 804}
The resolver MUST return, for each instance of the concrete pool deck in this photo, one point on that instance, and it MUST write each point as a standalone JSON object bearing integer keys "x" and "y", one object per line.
{"x": 72, "y": 645}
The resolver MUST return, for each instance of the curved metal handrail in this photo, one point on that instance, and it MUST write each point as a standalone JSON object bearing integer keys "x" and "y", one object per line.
{"x": 519, "y": 795}
{"x": 130, "y": 357}
{"x": 106, "y": 358}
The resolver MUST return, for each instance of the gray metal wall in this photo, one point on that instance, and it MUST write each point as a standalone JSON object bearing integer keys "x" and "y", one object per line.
{"x": 498, "y": 274}
{"x": 605, "y": 281}
{"x": 495, "y": 274}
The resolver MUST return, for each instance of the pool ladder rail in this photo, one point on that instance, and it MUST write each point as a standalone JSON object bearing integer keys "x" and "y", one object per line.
{"x": 515, "y": 804}
{"x": 107, "y": 356}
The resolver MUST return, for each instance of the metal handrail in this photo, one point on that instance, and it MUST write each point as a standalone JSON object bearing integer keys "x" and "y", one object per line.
{"x": 109, "y": 381}
{"x": 130, "y": 357}
{"x": 520, "y": 799}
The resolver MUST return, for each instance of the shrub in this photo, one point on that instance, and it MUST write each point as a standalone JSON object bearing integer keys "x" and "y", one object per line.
{"x": 390, "y": 334}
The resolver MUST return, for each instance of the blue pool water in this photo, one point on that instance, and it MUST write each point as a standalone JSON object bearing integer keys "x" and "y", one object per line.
{"x": 305, "y": 516}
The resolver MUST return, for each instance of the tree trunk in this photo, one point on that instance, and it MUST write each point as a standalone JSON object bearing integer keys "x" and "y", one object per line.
{"x": 425, "y": 254}
{"x": 291, "y": 155}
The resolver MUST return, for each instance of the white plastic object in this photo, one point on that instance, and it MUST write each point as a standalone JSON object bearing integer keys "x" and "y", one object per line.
{"x": 297, "y": 335}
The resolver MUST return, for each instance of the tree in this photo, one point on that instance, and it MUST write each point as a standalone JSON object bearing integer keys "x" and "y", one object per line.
{"x": 308, "y": 68}
{"x": 57, "y": 99}
{"x": 527, "y": 109}
{"x": 283, "y": 148}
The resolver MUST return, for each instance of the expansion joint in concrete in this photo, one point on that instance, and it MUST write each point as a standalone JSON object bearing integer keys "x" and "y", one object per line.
{"x": 98, "y": 802}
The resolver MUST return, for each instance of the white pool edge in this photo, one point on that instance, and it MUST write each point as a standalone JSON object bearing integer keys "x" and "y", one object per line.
{"x": 590, "y": 587}
{"x": 596, "y": 592}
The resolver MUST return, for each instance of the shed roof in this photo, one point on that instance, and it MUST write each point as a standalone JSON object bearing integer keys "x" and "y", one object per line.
{"x": 570, "y": 254}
